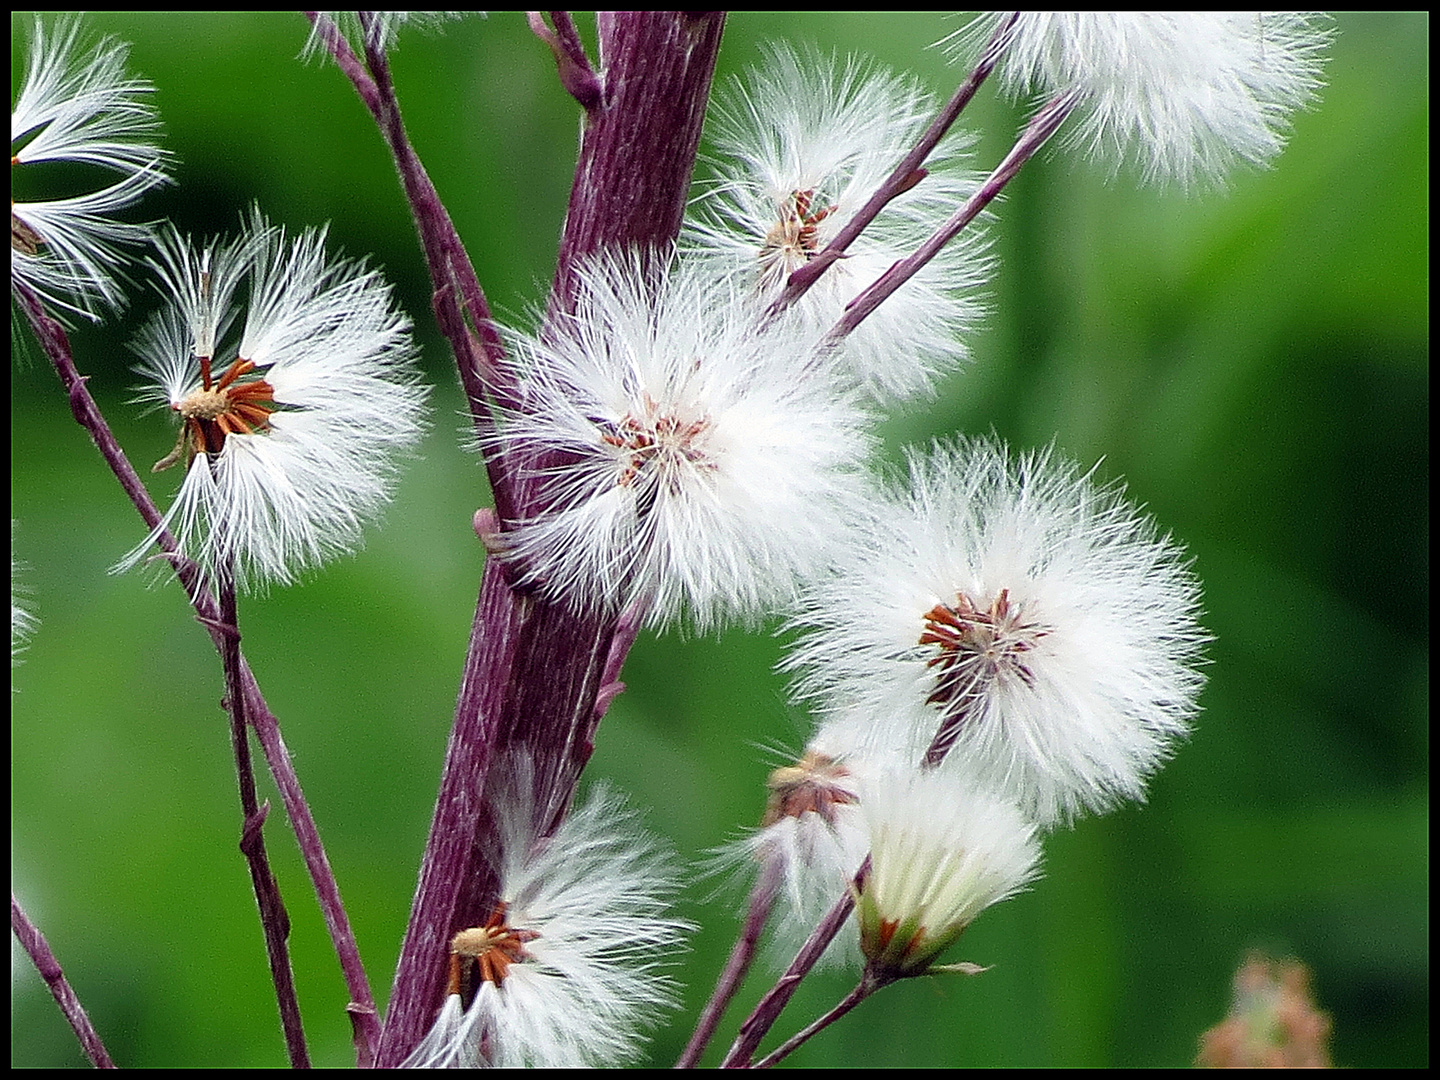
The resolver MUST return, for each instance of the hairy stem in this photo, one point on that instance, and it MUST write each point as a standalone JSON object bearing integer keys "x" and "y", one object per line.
{"x": 535, "y": 667}
{"x": 38, "y": 949}
{"x": 762, "y": 901}
{"x": 763, "y": 1018}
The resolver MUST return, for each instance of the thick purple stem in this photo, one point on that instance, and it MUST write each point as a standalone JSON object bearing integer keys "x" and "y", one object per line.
{"x": 762, "y": 900}
{"x": 535, "y": 667}
{"x": 38, "y": 949}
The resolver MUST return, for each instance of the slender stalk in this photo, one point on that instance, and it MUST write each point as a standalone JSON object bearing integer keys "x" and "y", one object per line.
{"x": 762, "y": 901}
{"x": 273, "y": 918}
{"x": 535, "y": 668}
{"x": 364, "y": 1019}
{"x": 1041, "y": 127}
{"x": 461, "y": 309}
{"x": 763, "y": 1018}
{"x": 38, "y": 949}
{"x": 361, "y": 1008}
{"x": 572, "y": 65}
{"x": 869, "y": 983}
{"x": 905, "y": 176}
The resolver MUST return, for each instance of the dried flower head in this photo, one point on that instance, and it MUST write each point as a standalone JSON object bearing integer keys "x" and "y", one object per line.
{"x": 810, "y": 842}
{"x": 799, "y": 146}
{"x": 79, "y": 106}
{"x": 1273, "y": 1021}
{"x": 1018, "y": 616}
{"x": 568, "y": 971}
{"x": 1189, "y": 95}
{"x": 291, "y": 445}
{"x": 690, "y": 458}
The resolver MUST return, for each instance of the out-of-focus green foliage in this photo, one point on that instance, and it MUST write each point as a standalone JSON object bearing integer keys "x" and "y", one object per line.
{"x": 1254, "y": 363}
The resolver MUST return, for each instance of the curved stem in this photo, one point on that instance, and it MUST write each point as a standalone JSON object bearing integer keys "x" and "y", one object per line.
{"x": 868, "y": 984}
{"x": 905, "y": 175}
{"x": 763, "y": 1018}
{"x": 38, "y": 949}
{"x": 461, "y": 309}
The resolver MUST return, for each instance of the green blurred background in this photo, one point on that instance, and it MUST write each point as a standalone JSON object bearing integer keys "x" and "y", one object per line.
{"x": 1254, "y": 364}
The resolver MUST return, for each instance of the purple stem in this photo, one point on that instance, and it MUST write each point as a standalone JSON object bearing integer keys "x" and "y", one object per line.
{"x": 535, "y": 668}
{"x": 770, "y": 1006}
{"x": 461, "y": 309}
{"x": 573, "y": 66}
{"x": 273, "y": 918}
{"x": 364, "y": 1021}
{"x": 778, "y": 996}
{"x": 38, "y": 949}
{"x": 361, "y": 1008}
{"x": 869, "y": 983}
{"x": 762, "y": 900}
{"x": 906, "y": 175}
{"x": 1041, "y": 127}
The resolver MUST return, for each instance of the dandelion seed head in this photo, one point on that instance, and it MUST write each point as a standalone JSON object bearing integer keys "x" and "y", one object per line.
{"x": 291, "y": 446}
{"x": 569, "y": 970}
{"x": 1018, "y": 615}
{"x": 798, "y": 147}
{"x": 690, "y": 455}
{"x": 1186, "y": 95}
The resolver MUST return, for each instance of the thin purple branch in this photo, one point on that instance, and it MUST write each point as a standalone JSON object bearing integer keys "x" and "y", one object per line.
{"x": 869, "y": 983}
{"x": 38, "y": 949}
{"x": 361, "y": 1009}
{"x": 762, "y": 901}
{"x": 56, "y": 344}
{"x": 763, "y": 1018}
{"x": 576, "y": 75}
{"x": 461, "y": 309}
{"x": 905, "y": 176}
{"x": 1041, "y": 127}
{"x": 273, "y": 918}
{"x": 345, "y": 58}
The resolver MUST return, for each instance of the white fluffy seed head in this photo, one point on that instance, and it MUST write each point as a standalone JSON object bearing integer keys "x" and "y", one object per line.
{"x": 79, "y": 105}
{"x": 798, "y": 146}
{"x": 592, "y": 980}
{"x": 690, "y": 458}
{"x": 331, "y": 371}
{"x": 941, "y": 853}
{"x": 1033, "y": 616}
{"x": 1186, "y": 95}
